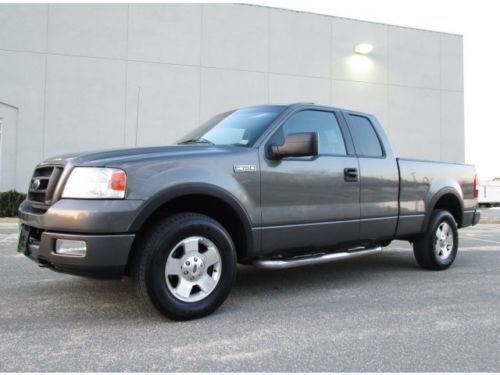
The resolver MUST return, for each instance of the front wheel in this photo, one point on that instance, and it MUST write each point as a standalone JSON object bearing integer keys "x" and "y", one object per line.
{"x": 187, "y": 266}
{"x": 437, "y": 248}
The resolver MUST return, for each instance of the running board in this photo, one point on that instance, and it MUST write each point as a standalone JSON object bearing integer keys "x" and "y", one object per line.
{"x": 278, "y": 264}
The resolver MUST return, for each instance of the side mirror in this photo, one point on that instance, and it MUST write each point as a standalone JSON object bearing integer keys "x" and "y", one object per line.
{"x": 296, "y": 144}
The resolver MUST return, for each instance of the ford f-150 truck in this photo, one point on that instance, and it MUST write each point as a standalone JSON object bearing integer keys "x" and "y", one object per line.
{"x": 273, "y": 186}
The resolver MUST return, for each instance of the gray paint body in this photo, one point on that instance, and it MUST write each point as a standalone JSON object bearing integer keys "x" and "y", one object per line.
{"x": 286, "y": 205}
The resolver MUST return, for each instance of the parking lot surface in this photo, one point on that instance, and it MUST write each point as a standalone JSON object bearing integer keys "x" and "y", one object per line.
{"x": 379, "y": 313}
{"x": 491, "y": 214}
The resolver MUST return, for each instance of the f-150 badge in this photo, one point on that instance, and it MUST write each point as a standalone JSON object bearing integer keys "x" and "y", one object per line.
{"x": 245, "y": 168}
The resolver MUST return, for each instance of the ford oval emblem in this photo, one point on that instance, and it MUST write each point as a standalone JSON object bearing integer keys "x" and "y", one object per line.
{"x": 35, "y": 185}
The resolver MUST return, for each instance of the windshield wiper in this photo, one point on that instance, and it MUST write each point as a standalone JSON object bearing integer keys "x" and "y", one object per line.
{"x": 197, "y": 140}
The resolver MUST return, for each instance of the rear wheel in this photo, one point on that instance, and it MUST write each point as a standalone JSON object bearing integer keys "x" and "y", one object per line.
{"x": 187, "y": 266}
{"x": 437, "y": 248}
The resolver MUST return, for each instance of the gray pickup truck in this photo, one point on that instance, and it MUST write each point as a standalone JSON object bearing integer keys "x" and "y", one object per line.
{"x": 273, "y": 186}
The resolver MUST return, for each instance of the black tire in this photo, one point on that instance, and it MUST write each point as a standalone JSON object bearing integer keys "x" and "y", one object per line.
{"x": 428, "y": 250}
{"x": 149, "y": 269}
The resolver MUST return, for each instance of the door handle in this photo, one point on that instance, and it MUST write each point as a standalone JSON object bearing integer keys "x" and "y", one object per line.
{"x": 350, "y": 174}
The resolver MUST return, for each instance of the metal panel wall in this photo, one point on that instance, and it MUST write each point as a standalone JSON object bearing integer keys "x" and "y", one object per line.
{"x": 91, "y": 76}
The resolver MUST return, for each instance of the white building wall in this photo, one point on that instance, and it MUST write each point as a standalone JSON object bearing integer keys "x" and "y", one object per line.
{"x": 83, "y": 77}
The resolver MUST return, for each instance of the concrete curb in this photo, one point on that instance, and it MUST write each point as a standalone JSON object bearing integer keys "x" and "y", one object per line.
{"x": 8, "y": 220}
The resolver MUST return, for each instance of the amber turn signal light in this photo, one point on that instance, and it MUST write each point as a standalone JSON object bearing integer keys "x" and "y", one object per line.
{"x": 119, "y": 181}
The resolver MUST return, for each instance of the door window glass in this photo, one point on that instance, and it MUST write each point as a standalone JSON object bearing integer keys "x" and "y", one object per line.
{"x": 330, "y": 139}
{"x": 364, "y": 137}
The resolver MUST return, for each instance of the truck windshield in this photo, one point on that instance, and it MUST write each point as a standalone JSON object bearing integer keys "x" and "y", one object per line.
{"x": 241, "y": 127}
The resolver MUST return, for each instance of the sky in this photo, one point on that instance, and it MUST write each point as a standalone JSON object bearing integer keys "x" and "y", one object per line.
{"x": 478, "y": 22}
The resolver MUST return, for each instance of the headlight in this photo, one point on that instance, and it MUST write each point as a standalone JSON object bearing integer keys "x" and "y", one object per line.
{"x": 97, "y": 183}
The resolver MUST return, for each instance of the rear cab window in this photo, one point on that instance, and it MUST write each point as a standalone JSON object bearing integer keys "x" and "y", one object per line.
{"x": 365, "y": 139}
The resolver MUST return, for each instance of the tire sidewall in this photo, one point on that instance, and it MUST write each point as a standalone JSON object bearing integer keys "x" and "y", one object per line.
{"x": 440, "y": 217}
{"x": 158, "y": 291}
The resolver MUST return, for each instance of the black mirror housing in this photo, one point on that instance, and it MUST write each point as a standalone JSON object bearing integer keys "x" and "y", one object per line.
{"x": 296, "y": 144}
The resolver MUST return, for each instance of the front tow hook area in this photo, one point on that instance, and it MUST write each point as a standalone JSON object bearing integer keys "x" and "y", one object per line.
{"x": 42, "y": 263}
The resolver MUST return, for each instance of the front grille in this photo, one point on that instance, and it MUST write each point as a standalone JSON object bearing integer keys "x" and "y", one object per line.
{"x": 42, "y": 185}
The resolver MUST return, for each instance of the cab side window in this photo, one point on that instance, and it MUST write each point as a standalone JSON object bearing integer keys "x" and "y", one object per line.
{"x": 330, "y": 139}
{"x": 365, "y": 139}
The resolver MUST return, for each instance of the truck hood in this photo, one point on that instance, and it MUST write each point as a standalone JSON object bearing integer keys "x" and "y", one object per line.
{"x": 132, "y": 155}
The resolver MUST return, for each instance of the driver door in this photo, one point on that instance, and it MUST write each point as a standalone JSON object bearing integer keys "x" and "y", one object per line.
{"x": 309, "y": 202}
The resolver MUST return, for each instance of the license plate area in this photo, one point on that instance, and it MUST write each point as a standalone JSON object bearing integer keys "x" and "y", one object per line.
{"x": 29, "y": 239}
{"x": 24, "y": 236}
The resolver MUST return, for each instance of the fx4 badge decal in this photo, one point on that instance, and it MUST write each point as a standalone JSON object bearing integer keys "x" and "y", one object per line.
{"x": 245, "y": 168}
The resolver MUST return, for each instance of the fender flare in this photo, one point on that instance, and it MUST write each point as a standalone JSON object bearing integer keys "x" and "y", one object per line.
{"x": 441, "y": 193}
{"x": 171, "y": 193}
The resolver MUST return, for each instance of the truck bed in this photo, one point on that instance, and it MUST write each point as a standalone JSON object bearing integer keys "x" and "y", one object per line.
{"x": 423, "y": 182}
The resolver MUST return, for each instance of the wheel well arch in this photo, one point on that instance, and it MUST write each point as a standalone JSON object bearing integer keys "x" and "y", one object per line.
{"x": 447, "y": 200}
{"x": 231, "y": 217}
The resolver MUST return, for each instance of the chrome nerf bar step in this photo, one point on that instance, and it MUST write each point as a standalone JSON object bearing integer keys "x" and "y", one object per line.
{"x": 278, "y": 264}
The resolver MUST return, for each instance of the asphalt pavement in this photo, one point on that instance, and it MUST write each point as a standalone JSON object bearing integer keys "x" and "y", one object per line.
{"x": 490, "y": 214}
{"x": 379, "y": 313}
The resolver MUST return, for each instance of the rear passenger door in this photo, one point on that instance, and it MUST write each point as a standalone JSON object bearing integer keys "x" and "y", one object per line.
{"x": 379, "y": 178}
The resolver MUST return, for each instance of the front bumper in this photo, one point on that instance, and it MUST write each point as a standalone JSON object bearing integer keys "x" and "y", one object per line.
{"x": 470, "y": 217}
{"x": 476, "y": 218}
{"x": 83, "y": 215}
{"x": 102, "y": 225}
{"x": 106, "y": 255}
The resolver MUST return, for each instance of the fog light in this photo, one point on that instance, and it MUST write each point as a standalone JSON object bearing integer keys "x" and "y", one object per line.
{"x": 71, "y": 248}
